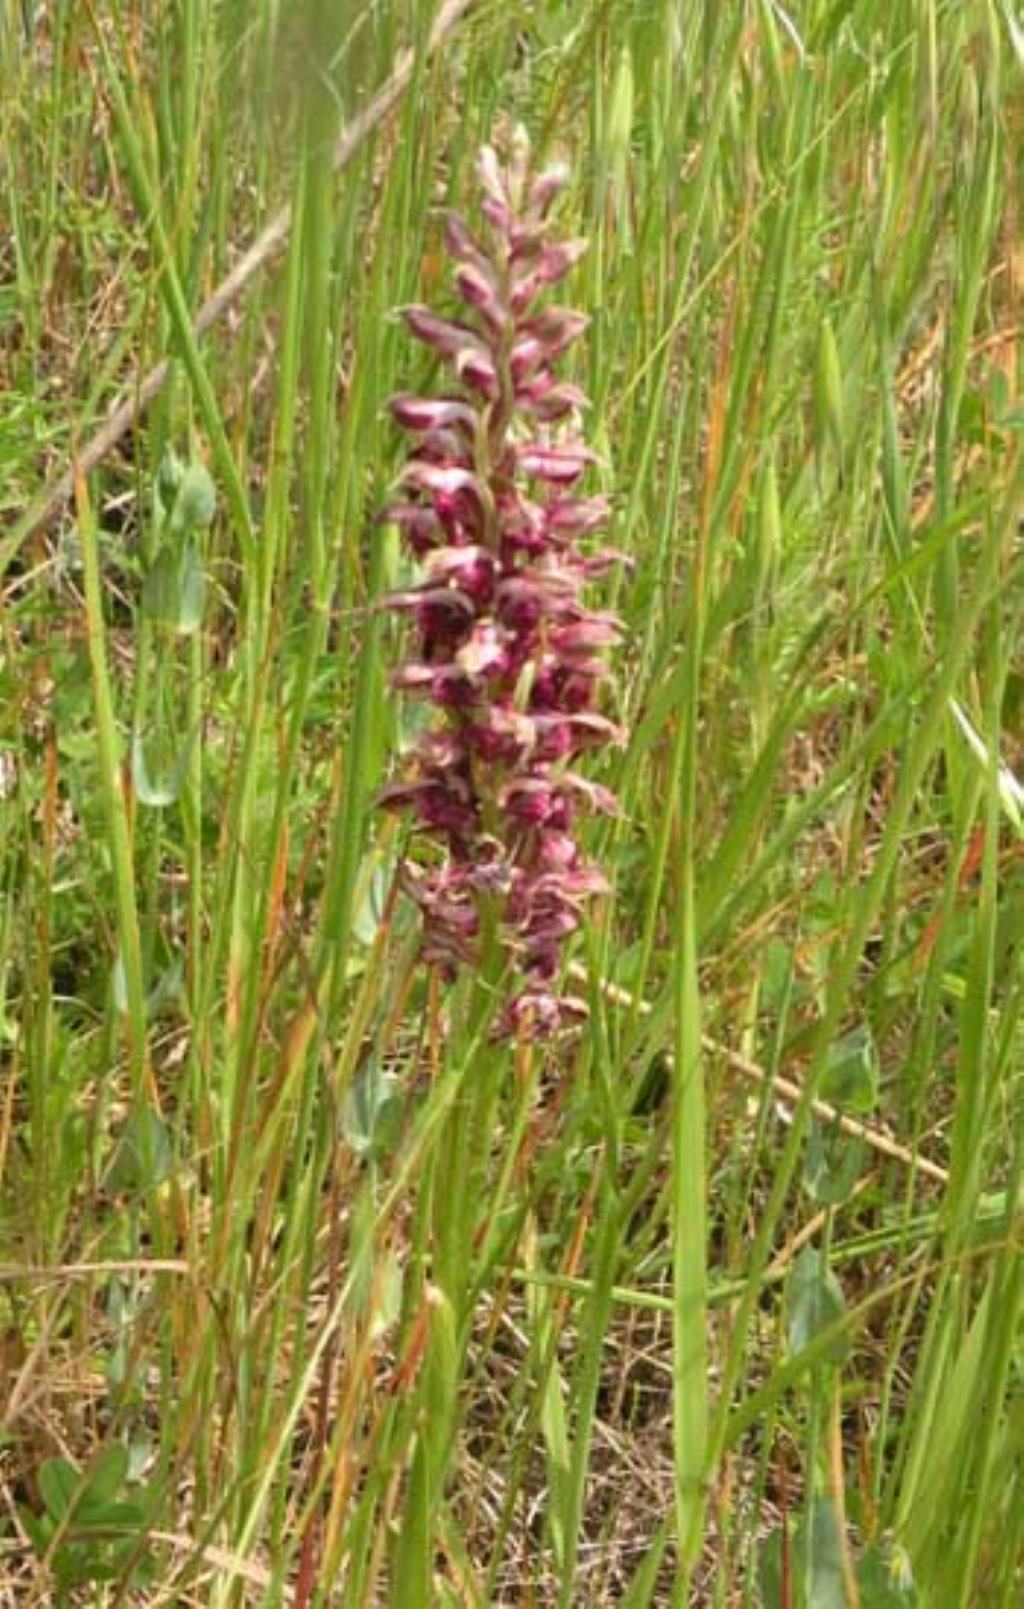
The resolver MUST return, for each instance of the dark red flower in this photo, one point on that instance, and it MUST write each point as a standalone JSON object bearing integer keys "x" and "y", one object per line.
{"x": 508, "y": 651}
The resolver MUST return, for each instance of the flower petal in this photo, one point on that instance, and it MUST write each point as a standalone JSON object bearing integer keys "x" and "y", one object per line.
{"x": 594, "y": 794}
{"x": 471, "y": 568}
{"x": 547, "y": 400}
{"x": 546, "y": 186}
{"x": 555, "y": 327}
{"x": 554, "y": 262}
{"x": 443, "y": 480}
{"x": 488, "y": 171}
{"x": 590, "y": 631}
{"x": 431, "y": 413}
{"x": 577, "y": 516}
{"x": 462, "y": 243}
{"x": 481, "y": 292}
{"x": 422, "y": 526}
{"x": 560, "y": 466}
{"x": 443, "y": 335}
{"x": 478, "y": 371}
{"x": 485, "y": 652}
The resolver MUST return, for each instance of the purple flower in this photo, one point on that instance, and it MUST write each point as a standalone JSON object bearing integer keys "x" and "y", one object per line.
{"x": 507, "y": 649}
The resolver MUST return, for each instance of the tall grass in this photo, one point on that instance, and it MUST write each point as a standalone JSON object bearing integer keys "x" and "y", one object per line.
{"x": 311, "y": 1293}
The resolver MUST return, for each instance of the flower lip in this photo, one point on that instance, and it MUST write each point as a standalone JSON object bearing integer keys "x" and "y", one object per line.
{"x": 556, "y": 852}
{"x": 440, "y": 803}
{"x": 529, "y": 799}
{"x": 446, "y": 685}
{"x": 444, "y": 447}
{"x": 471, "y": 568}
{"x": 501, "y": 732}
{"x": 443, "y": 750}
{"x": 563, "y": 735}
{"x": 486, "y": 651}
{"x": 537, "y": 1013}
{"x": 521, "y": 601}
{"x": 421, "y": 524}
{"x": 527, "y": 356}
{"x": 594, "y": 794}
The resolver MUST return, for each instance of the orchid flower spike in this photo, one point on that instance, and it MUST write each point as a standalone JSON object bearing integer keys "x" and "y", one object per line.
{"x": 508, "y": 652}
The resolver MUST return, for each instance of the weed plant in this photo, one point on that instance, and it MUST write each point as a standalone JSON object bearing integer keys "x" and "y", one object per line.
{"x": 311, "y": 1292}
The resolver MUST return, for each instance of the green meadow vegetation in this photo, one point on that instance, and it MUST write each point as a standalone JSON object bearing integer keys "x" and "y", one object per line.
{"x": 311, "y": 1293}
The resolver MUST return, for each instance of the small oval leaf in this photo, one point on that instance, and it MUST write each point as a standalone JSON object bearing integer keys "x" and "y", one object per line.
{"x": 144, "y": 1158}
{"x": 59, "y": 1484}
{"x": 196, "y": 502}
{"x": 814, "y": 1303}
{"x": 849, "y": 1079}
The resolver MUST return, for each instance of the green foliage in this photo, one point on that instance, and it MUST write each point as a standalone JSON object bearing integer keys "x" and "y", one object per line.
{"x": 174, "y": 587}
{"x": 849, "y": 1078}
{"x": 88, "y": 1531}
{"x": 832, "y": 1164}
{"x": 813, "y": 1575}
{"x": 371, "y": 1110}
{"x": 814, "y": 1303}
{"x": 388, "y": 1310}
{"x": 143, "y": 1159}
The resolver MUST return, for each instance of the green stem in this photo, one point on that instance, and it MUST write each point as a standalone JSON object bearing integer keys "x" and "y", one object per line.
{"x": 119, "y": 838}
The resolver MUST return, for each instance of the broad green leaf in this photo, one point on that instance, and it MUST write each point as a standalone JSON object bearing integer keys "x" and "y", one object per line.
{"x": 196, "y": 502}
{"x": 169, "y": 477}
{"x": 109, "y": 1515}
{"x": 160, "y": 588}
{"x": 819, "y": 1547}
{"x": 106, "y": 1474}
{"x": 158, "y": 786}
{"x": 769, "y": 1571}
{"x": 553, "y": 1419}
{"x": 59, "y": 1481}
{"x": 832, "y": 1162}
{"x": 815, "y": 1563}
{"x": 849, "y": 1079}
{"x": 814, "y": 1301}
{"x": 192, "y": 584}
{"x": 140, "y": 1451}
{"x": 174, "y": 589}
{"x": 168, "y": 989}
{"x": 371, "y": 907}
{"x": 370, "y": 1105}
{"x": 388, "y": 1287}
{"x": 39, "y": 1528}
{"x": 144, "y": 1158}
